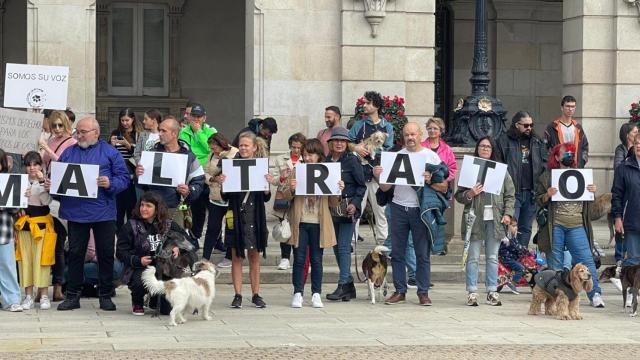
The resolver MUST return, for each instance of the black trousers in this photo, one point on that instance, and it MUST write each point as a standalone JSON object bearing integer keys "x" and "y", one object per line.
{"x": 199, "y": 212}
{"x": 104, "y": 235}
{"x": 213, "y": 237}
{"x": 57, "y": 270}
{"x": 125, "y": 202}
{"x": 138, "y": 291}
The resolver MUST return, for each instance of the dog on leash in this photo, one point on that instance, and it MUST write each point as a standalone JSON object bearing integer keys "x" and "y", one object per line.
{"x": 374, "y": 267}
{"x": 372, "y": 144}
{"x": 560, "y": 292}
{"x": 185, "y": 294}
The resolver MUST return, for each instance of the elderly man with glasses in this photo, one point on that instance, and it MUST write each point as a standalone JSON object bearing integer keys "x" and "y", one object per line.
{"x": 525, "y": 155}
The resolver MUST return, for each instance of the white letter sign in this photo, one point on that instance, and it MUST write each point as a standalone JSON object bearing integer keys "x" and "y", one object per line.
{"x": 19, "y": 130}
{"x": 12, "y": 190}
{"x": 245, "y": 175}
{"x": 572, "y": 184}
{"x": 489, "y": 173}
{"x": 163, "y": 169}
{"x": 318, "y": 179}
{"x": 403, "y": 168}
{"x": 76, "y": 180}
{"x": 36, "y": 86}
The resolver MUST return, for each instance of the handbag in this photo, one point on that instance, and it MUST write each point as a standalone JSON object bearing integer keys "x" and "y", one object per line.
{"x": 280, "y": 203}
{"x": 281, "y": 230}
{"x": 542, "y": 216}
{"x": 340, "y": 210}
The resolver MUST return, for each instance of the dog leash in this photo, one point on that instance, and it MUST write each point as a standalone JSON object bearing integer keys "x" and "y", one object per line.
{"x": 354, "y": 235}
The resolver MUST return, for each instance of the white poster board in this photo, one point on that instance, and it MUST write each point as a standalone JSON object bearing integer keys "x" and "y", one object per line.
{"x": 19, "y": 130}
{"x": 245, "y": 175}
{"x": 12, "y": 190}
{"x": 318, "y": 179}
{"x": 489, "y": 173}
{"x": 75, "y": 180}
{"x": 572, "y": 184}
{"x": 403, "y": 168}
{"x": 163, "y": 169}
{"x": 36, "y": 86}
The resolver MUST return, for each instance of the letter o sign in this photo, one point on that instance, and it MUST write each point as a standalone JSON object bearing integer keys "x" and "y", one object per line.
{"x": 562, "y": 184}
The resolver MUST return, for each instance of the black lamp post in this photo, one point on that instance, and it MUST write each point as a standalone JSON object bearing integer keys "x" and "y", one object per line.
{"x": 478, "y": 115}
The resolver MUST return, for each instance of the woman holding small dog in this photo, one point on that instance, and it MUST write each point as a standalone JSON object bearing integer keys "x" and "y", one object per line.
{"x": 568, "y": 223}
{"x": 247, "y": 224}
{"x": 493, "y": 214}
{"x": 140, "y": 240}
{"x": 311, "y": 229}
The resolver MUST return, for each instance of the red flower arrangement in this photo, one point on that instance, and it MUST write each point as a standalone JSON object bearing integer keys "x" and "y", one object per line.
{"x": 634, "y": 112}
{"x": 393, "y": 111}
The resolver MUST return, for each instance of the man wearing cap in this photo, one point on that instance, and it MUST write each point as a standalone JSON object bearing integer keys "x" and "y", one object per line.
{"x": 332, "y": 117}
{"x": 196, "y": 134}
{"x": 405, "y": 212}
{"x": 262, "y": 128}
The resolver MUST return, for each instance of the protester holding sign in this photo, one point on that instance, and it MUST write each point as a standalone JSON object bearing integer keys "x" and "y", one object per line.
{"x": 220, "y": 149}
{"x": 312, "y": 229}
{"x": 124, "y": 139}
{"x": 493, "y": 214}
{"x": 194, "y": 176}
{"x": 246, "y": 226}
{"x": 406, "y": 215}
{"x": 625, "y": 207}
{"x": 59, "y": 141}
{"x": 97, "y": 214}
{"x": 345, "y": 214}
{"x": 36, "y": 241}
{"x": 9, "y": 288}
{"x": 568, "y": 223}
{"x": 283, "y": 167}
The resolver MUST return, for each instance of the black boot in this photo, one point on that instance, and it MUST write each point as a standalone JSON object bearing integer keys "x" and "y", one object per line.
{"x": 72, "y": 301}
{"x": 351, "y": 289}
{"x": 342, "y": 293}
{"x": 106, "y": 304}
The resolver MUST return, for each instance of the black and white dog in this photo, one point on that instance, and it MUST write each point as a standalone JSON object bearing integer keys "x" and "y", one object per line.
{"x": 374, "y": 267}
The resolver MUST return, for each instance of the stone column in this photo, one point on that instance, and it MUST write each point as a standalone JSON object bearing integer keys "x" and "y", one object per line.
{"x": 64, "y": 33}
{"x": 399, "y": 60}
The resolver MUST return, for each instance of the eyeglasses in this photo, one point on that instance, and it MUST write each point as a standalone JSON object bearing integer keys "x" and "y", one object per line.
{"x": 85, "y": 132}
{"x": 488, "y": 147}
{"x": 57, "y": 125}
{"x": 526, "y": 126}
{"x": 433, "y": 129}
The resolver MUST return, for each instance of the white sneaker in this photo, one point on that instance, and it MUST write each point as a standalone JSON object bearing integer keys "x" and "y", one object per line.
{"x": 27, "y": 303}
{"x": 225, "y": 263}
{"x": 629, "y": 299}
{"x": 597, "y": 301}
{"x": 316, "y": 301}
{"x": 296, "y": 302}
{"x": 284, "y": 264}
{"x": 472, "y": 299}
{"x": 45, "y": 304}
{"x": 15, "y": 308}
{"x": 617, "y": 284}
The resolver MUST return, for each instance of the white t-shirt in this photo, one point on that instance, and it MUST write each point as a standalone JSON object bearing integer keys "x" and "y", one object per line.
{"x": 151, "y": 140}
{"x": 405, "y": 195}
{"x": 568, "y": 133}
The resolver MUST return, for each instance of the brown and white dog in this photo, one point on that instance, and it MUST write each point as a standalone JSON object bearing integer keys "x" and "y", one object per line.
{"x": 630, "y": 278}
{"x": 185, "y": 294}
{"x": 374, "y": 267}
{"x": 372, "y": 144}
{"x": 560, "y": 292}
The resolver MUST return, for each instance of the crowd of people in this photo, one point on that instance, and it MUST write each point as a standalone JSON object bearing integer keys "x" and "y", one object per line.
{"x": 148, "y": 218}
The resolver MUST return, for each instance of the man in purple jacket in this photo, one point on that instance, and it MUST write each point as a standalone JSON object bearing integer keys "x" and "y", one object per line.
{"x": 99, "y": 214}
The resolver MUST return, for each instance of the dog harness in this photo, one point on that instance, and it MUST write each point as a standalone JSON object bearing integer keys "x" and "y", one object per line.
{"x": 551, "y": 280}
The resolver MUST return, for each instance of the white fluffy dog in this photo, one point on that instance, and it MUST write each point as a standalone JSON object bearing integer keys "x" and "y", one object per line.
{"x": 185, "y": 294}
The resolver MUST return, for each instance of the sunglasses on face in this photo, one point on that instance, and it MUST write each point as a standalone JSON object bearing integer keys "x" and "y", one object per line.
{"x": 526, "y": 126}
{"x": 57, "y": 125}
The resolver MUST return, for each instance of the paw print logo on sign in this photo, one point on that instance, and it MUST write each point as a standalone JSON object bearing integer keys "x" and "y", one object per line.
{"x": 36, "y": 98}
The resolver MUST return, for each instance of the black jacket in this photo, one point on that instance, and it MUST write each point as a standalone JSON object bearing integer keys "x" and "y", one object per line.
{"x": 254, "y": 127}
{"x": 625, "y": 194}
{"x": 353, "y": 178}
{"x": 552, "y": 138}
{"x": 511, "y": 153}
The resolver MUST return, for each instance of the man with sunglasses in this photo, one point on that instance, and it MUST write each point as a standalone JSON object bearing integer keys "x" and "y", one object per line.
{"x": 525, "y": 155}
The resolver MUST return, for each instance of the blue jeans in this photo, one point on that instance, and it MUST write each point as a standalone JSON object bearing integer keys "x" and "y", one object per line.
{"x": 91, "y": 272}
{"x": 309, "y": 237}
{"x": 576, "y": 242}
{"x": 525, "y": 212}
{"x": 621, "y": 248}
{"x": 632, "y": 244}
{"x": 410, "y": 255}
{"x": 516, "y": 267}
{"x": 407, "y": 220}
{"x": 9, "y": 288}
{"x": 438, "y": 239}
{"x": 342, "y": 250}
{"x": 491, "y": 247}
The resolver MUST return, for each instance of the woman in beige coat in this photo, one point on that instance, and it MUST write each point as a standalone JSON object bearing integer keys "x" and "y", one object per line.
{"x": 311, "y": 227}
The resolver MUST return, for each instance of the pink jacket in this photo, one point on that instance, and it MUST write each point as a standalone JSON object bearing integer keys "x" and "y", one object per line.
{"x": 446, "y": 155}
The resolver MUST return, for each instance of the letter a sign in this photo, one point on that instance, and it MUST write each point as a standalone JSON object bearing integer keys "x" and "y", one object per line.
{"x": 75, "y": 180}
